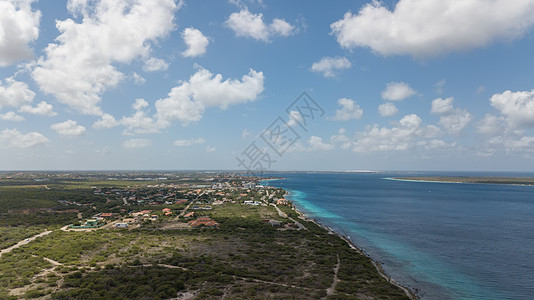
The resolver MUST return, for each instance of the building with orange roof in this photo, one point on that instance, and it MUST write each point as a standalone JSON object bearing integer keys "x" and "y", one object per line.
{"x": 281, "y": 202}
{"x": 206, "y": 221}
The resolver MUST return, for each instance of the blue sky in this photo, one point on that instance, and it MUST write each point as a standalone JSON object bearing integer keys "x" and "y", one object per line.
{"x": 163, "y": 84}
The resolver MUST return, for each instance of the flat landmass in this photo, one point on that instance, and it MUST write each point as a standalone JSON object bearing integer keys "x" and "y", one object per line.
{"x": 482, "y": 180}
{"x": 87, "y": 235}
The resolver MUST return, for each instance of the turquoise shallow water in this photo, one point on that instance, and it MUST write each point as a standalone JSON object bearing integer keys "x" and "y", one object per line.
{"x": 450, "y": 241}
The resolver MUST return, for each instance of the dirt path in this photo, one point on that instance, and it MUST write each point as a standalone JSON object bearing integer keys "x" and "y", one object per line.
{"x": 284, "y": 215}
{"x": 226, "y": 290}
{"x": 53, "y": 262}
{"x": 173, "y": 267}
{"x": 280, "y": 213}
{"x": 330, "y": 291}
{"x": 246, "y": 278}
{"x": 187, "y": 207}
{"x": 185, "y": 210}
{"x": 24, "y": 242}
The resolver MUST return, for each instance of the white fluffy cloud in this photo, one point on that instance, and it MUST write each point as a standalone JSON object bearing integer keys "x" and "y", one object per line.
{"x": 424, "y": 28}
{"x": 436, "y": 144}
{"x": 442, "y": 106}
{"x": 42, "y": 108}
{"x": 11, "y": 116}
{"x": 244, "y": 23}
{"x": 78, "y": 67}
{"x": 105, "y": 121}
{"x": 317, "y": 144}
{"x": 507, "y": 132}
{"x": 185, "y": 143}
{"x": 349, "y": 110}
{"x": 454, "y": 120}
{"x": 491, "y": 125}
{"x": 196, "y": 42}
{"x": 138, "y": 79}
{"x": 517, "y": 107}
{"x": 12, "y": 138}
{"x": 155, "y": 64}
{"x": 19, "y": 26}
{"x": 397, "y": 91}
{"x": 294, "y": 118}
{"x": 314, "y": 143}
{"x": 139, "y": 122}
{"x": 406, "y": 135}
{"x": 387, "y": 109}
{"x": 512, "y": 142}
{"x": 188, "y": 101}
{"x": 69, "y": 128}
{"x": 15, "y": 93}
{"x": 136, "y": 143}
{"x": 524, "y": 143}
{"x": 330, "y": 65}
{"x": 140, "y": 104}
{"x": 341, "y": 138}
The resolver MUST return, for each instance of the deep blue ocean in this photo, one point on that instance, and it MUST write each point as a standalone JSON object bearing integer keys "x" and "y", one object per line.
{"x": 448, "y": 240}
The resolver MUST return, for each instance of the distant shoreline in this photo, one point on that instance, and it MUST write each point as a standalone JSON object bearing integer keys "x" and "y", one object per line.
{"x": 472, "y": 180}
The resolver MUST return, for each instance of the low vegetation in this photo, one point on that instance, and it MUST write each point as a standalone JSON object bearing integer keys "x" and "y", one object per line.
{"x": 244, "y": 257}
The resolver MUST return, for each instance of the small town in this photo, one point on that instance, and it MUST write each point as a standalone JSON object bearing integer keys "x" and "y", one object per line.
{"x": 184, "y": 206}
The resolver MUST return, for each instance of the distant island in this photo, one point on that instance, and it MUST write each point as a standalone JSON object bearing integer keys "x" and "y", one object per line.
{"x": 481, "y": 180}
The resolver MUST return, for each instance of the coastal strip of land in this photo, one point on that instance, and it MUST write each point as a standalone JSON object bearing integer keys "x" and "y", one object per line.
{"x": 180, "y": 236}
{"x": 410, "y": 292}
{"x": 477, "y": 180}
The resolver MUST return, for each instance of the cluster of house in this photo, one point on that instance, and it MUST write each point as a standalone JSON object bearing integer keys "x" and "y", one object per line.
{"x": 137, "y": 217}
{"x": 252, "y": 202}
{"x": 203, "y": 198}
{"x": 282, "y": 202}
{"x": 67, "y": 202}
{"x": 168, "y": 194}
{"x": 151, "y": 195}
{"x": 88, "y": 224}
{"x": 133, "y": 218}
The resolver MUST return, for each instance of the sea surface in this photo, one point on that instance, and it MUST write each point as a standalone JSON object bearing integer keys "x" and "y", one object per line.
{"x": 447, "y": 240}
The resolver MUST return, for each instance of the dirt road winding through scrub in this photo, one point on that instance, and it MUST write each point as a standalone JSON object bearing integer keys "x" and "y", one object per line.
{"x": 331, "y": 290}
{"x": 24, "y": 242}
{"x": 284, "y": 215}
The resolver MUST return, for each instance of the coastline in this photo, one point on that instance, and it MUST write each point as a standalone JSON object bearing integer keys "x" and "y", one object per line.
{"x": 467, "y": 180}
{"x": 270, "y": 179}
{"x": 410, "y": 292}
{"x": 414, "y": 180}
